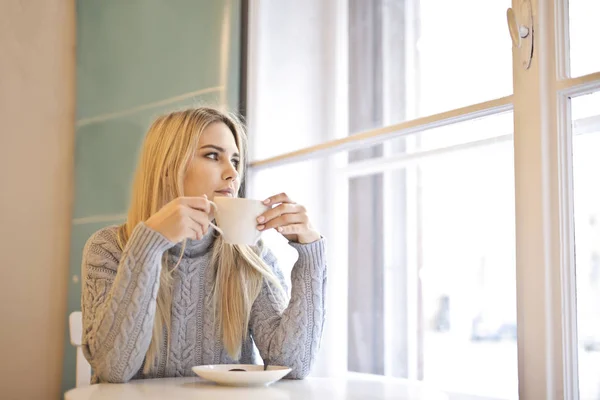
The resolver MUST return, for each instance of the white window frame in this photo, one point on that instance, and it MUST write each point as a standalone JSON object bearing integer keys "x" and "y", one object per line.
{"x": 546, "y": 294}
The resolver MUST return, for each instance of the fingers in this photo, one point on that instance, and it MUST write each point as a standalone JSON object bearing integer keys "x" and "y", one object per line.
{"x": 195, "y": 211}
{"x": 197, "y": 222}
{"x": 199, "y": 217}
{"x": 287, "y": 217}
{"x": 284, "y": 220}
{"x": 278, "y": 198}
{"x": 193, "y": 230}
{"x": 282, "y": 209}
{"x": 293, "y": 229}
{"x": 197, "y": 203}
{"x": 183, "y": 217}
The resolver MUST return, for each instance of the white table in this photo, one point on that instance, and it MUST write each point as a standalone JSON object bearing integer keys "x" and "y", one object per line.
{"x": 353, "y": 386}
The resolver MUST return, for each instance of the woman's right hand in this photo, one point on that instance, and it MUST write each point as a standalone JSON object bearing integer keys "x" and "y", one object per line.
{"x": 184, "y": 217}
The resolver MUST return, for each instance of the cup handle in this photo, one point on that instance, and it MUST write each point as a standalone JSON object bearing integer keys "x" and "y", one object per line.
{"x": 210, "y": 223}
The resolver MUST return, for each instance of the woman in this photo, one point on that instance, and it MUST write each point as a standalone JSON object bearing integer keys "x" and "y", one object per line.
{"x": 163, "y": 292}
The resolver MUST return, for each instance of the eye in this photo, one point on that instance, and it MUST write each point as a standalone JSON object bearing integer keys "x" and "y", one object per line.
{"x": 212, "y": 156}
{"x": 236, "y": 163}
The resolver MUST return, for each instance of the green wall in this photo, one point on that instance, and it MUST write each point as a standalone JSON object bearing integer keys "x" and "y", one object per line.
{"x": 137, "y": 59}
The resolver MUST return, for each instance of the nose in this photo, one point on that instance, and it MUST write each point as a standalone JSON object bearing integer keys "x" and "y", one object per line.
{"x": 230, "y": 173}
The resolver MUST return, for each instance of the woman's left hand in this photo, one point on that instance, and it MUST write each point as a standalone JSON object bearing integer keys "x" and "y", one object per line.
{"x": 288, "y": 218}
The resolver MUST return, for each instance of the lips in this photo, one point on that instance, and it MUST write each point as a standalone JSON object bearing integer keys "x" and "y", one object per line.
{"x": 225, "y": 192}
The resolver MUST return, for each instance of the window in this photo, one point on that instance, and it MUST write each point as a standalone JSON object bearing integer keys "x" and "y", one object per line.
{"x": 432, "y": 261}
{"x": 585, "y": 111}
{"x": 453, "y": 184}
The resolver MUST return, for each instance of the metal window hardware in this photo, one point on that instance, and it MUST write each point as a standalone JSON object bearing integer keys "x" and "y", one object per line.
{"x": 520, "y": 26}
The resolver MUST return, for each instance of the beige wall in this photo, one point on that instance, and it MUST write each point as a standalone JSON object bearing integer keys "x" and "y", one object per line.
{"x": 37, "y": 82}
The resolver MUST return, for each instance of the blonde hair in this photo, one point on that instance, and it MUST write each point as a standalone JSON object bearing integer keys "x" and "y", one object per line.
{"x": 169, "y": 146}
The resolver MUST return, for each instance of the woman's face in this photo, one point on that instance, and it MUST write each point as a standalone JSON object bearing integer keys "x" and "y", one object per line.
{"x": 213, "y": 169}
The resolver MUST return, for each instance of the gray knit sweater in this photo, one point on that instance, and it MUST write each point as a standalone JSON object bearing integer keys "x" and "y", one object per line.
{"x": 119, "y": 304}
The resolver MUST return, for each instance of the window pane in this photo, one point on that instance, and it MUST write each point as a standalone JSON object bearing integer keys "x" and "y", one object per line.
{"x": 456, "y": 67}
{"x": 469, "y": 264}
{"x": 404, "y": 59}
{"x": 586, "y": 164}
{"x": 410, "y": 59}
{"x": 415, "y": 58}
{"x": 584, "y": 33}
{"x": 432, "y": 284}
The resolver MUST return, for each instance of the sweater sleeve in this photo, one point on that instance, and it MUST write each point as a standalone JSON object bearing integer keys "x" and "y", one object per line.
{"x": 118, "y": 301}
{"x": 289, "y": 334}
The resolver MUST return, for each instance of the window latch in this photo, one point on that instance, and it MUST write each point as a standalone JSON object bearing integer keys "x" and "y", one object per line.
{"x": 520, "y": 26}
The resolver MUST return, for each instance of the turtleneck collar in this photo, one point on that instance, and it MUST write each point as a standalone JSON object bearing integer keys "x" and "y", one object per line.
{"x": 196, "y": 248}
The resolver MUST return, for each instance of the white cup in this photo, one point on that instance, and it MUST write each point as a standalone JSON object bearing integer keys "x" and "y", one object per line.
{"x": 236, "y": 219}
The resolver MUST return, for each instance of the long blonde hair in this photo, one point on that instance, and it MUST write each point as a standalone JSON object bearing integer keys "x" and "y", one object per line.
{"x": 168, "y": 148}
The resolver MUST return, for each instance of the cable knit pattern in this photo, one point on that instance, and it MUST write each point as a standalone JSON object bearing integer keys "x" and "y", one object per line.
{"x": 119, "y": 306}
{"x": 119, "y": 301}
{"x": 291, "y": 335}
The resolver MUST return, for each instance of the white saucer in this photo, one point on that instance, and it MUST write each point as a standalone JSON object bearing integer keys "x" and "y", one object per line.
{"x": 253, "y": 375}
